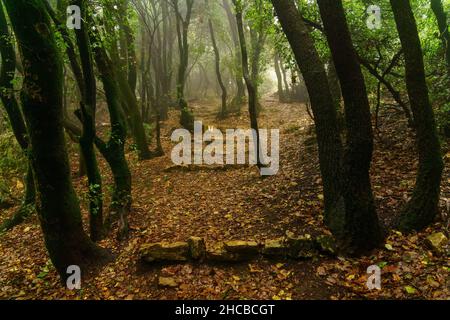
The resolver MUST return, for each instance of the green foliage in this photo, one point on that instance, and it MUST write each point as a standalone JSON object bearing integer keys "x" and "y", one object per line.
{"x": 12, "y": 162}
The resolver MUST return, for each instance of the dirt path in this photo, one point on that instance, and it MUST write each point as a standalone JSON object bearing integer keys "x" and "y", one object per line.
{"x": 218, "y": 205}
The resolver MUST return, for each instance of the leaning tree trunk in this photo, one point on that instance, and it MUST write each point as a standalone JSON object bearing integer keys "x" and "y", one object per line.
{"x": 16, "y": 120}
{"x": 422, "y": 208}
{"x": 87, "y": 115}
{"x": 287, "y": 90}
{"x": 240, "y": 87}
{"x": 359, "y": 228}
{"x": 114, "y": 149}
{"x": 130, "y": 46}
{"x": 441, "y": 17}
{"x": 324, "y": 110}
{"x": 59, "y": 209}
{"x": 126, "y": 76}
{"x": 223, "y": 111}
{"x": 187, "y": 118}
{"x": 276, "y": 63}
{"x": 251, "y": 89}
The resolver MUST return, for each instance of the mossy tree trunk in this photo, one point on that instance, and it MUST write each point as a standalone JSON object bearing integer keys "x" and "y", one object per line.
{"x": 125, "y": 73}
{"x": 240, "y": 86}
{"x": 7, "y": 75}
{"x": 441, "y": 18}
{"x": 182, "y": 26}
{"x": 324, "y": 110}
{"x": 223, "y": 112}
{"x": 87, "y": 115}
{"x": 59, "y": 209}
{"x": 114, "y": 149}
{"x": 360, "y": 226}
{"x": 422, "y": 208}
{"x": 251, "y": 89}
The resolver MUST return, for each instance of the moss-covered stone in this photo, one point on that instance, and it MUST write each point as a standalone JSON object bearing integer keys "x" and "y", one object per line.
{"x": 197, "y": 248}
{"x": 437, "y": 242}
{"x": 274, "y": 248}
{"x": 164, "y": 251}
{"x": 242, "y": 247}
{"x": 218, "y": 253}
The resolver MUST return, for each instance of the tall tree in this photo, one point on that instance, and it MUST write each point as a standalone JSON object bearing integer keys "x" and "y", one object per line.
{"x": 126, "y": 92}
{"x": 223, "y": 110}
{"x": 422, "y": 208}
{"x": 441, "y": 17}
{"x": 324, "y": 110}
{"x": 240, "y": 87}
{"x": 361, "y": 221}
{"x": 276, "y": 63}
{"x": 187, "y": 119}
{"x": 113, "y": 149}
{"x": 7, "y": 75}
{"x": 251, "y": 90}
{"x": 59, "y": 209}
{"x": 87, "y": 115}
{"x": 331, "y": 153}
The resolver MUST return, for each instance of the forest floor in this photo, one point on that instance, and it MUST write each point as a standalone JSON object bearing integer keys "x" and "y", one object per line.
{"x": 237, "y": 204}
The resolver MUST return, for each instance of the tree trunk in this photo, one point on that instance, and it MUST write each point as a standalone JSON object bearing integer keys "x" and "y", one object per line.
{"x": 87, "y": 115}
{"x": 113, "y": 150}
{"x": 360, "y": 227}
{"x": 59, "y": 210}
{"x": 252, "y": 93}
{"x": 240, "y": 92}
{"x": 130, "y": 47}
{"x": 16, "y": 120}
{"x": 223, "y": 111}
{"x": 281, "y": 94}
{"x": 441, "y": 17}
{"x": 422, "y": 208}
{"x": 187, "y": 118}
{"x": 287, "y": 90}
{"x": 324, "y": 110}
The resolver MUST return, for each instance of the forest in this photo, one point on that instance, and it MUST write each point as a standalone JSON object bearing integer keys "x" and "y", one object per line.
{"x": 224, "y": 149}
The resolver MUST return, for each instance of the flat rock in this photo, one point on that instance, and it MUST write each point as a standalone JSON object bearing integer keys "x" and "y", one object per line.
{"x": 167, "y": 282}
{"x": 242, "y": 247}
{"x": 437, "y": 241}
{"x": 218, "y": 253}
{"x": 197, "y": 248}
{"x": 274, "y": 247}
{"x": 165, "y": 251}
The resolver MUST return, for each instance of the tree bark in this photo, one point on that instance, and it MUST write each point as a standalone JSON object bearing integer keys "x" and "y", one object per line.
{"x": 87, "y": 115}
{"x": 281, "y": 93}
{"x": 360, "y": 227}
{"x": 251, "y": 90}
{"x": 441, "y": 17}
{"x": 324, "y": 110}
{"x": 59, "y": 209}
{"x": 187, "y": 119}
{"x": 15, "y": 117}
{"x": 240, "y": 87}
{"x": 223, "y": 112}
{"x": 114, "y": 149}
{"x": 422, "y": 208}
